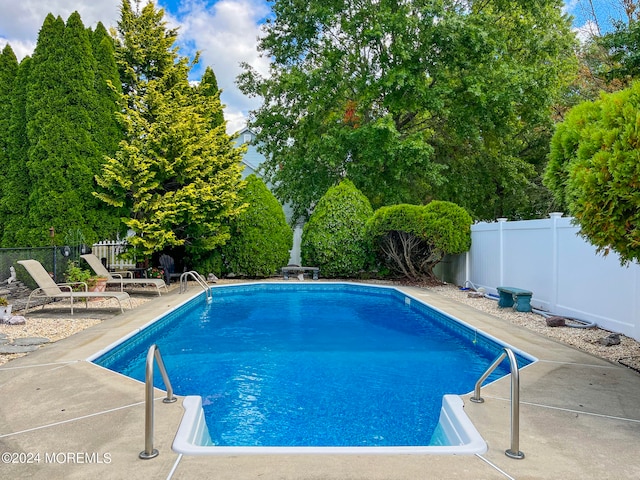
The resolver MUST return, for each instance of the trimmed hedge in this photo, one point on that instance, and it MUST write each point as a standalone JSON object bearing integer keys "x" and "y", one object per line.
{"x": 260, "y": 239}
{"x": 334, "y": 238}
{"x": 413, "y": 239}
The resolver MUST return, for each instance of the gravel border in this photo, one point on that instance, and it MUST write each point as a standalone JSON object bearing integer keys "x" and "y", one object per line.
{"x": 627, "y": 353}
{"x": 58, "y": 327}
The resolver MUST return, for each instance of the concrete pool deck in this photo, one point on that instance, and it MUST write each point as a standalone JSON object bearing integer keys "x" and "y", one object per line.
{"x": 64, "y": 417}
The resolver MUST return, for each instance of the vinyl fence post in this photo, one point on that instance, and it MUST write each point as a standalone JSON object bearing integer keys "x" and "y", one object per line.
{"x": 501, "y": 222}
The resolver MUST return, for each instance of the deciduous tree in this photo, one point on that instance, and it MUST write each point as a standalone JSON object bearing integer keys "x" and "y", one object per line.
{"x": 411, "y": 100}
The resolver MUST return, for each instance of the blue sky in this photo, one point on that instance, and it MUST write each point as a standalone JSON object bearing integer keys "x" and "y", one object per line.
{"x": 604, "y": 10}
{"x": 225, "y": 31}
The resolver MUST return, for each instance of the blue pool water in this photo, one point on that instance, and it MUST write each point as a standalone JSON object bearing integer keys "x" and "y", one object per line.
{"x": 313, "y": 364}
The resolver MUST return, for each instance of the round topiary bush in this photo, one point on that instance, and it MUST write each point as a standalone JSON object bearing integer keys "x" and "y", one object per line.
{"x": 413, "y": 239}
{"x": 334, "y": 238}
{"x": 260, "y": 239}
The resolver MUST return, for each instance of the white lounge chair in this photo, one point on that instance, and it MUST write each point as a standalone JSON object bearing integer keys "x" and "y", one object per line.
{"x": 117, "y": 278}
{"x": 47, "y": 288}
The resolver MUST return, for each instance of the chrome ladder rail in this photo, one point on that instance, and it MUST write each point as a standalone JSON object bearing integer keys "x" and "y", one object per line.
{"x": 153, "y": 352}
{"x": 514, "y": 451}
{"x": 184, "y": 278}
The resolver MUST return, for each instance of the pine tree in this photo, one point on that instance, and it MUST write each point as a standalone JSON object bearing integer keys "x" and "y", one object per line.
{"x": 176, "y": 175}
{"x": 8, "y": 73}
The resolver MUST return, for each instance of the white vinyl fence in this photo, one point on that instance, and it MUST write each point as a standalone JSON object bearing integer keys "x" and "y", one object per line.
{"x": 109, "y": 251}
{"x": 562, "y": 270}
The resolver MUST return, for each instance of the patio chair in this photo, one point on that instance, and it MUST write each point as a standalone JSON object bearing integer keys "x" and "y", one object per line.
{"x": 47, "y": 288}
{"x": 117, "y": 278}
{"x": 168, "y": 266}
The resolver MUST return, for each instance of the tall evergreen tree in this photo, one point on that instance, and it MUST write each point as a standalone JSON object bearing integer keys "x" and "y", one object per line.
{"x": 64, "y": 155}
{"x": 146, "y": 47}
{"x": 8, "y": 73}
{"x": 14, "y": 207}
{"x": 44, "y": 94}
{"x": 108, "y": 131}
{"x": 176, "y": 174}
{"x": 209, "y": 88}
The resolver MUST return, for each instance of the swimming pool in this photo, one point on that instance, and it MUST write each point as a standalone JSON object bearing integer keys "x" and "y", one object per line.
{"x": 314, "y": 365}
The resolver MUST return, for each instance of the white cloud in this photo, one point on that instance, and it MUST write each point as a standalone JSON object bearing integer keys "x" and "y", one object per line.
{"x": 569, "y": 6}
{"x": 20, "y": 21}
{"x": 226, "y": 34}
{"x": 19, "y": 47}
{"x": 236, "y": 120}
{"x": 587, "y": 31}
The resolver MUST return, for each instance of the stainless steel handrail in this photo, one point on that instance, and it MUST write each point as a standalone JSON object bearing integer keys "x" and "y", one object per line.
{"x": 153, "y": 352}
{"x": 514, "y": 451}
{"x": 199, "y": 279}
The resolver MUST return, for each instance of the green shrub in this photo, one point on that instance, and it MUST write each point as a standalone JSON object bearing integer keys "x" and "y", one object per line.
{"x": 594, "y": 170}
{"x": 334, "y": 238}
{"x": 448, "y": 227}
{"x": 412, "y": 239}
{"x": 260, "y": 239}
{"x": 75, "y": 274}
{"x": 211, "y": 263}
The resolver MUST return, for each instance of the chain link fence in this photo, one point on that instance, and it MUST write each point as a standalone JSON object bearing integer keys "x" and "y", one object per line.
{"x": 54, "y": 259}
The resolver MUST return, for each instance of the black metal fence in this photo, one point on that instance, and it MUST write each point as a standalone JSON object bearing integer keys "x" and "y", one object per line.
{"x": 54, "y": 259}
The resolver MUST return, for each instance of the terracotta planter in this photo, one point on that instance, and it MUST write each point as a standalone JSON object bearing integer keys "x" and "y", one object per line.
{"x": 99, "y": 285}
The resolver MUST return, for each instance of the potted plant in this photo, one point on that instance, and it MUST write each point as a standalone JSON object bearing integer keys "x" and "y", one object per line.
{"x": 155, "y": 273}
{"x": 79, "y": 277}
{"x": 76, "y": 276}
{"x": 97, "y": 284}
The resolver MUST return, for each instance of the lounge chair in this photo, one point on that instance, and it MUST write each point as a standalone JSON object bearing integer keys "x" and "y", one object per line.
{"x": 117, "y": 278}
{"x": 47, "y": 288}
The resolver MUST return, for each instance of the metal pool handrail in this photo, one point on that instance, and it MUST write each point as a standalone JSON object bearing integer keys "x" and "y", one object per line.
{"x": 199, "y": 279}
{"x": 514, "y": 451}
{"x": 154, "y": 352}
